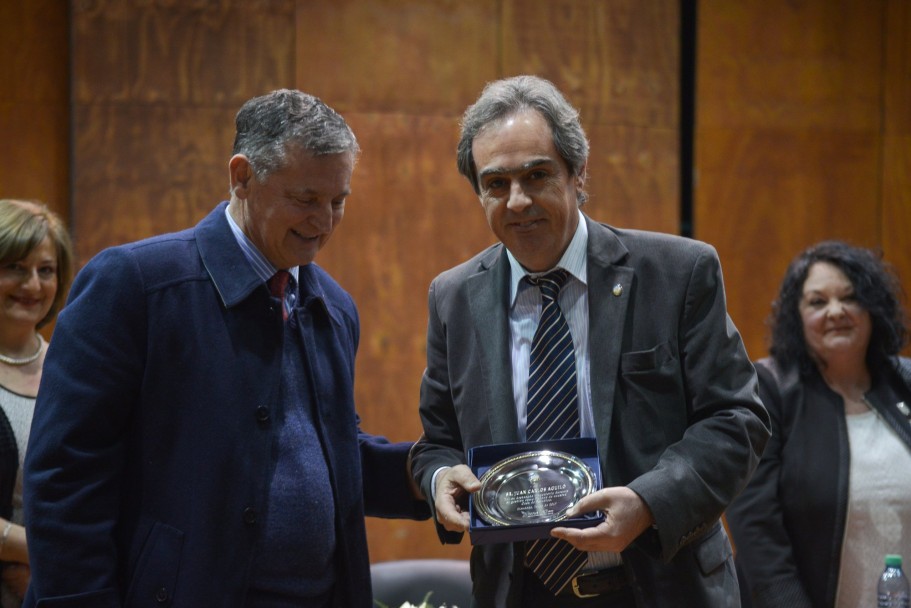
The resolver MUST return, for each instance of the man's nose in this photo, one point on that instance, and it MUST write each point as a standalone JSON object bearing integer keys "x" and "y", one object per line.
{"x": 321, "y": 219}
{"x": 518, "y": 198}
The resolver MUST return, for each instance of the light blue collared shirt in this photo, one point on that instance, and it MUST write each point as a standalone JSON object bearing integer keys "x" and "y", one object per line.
{"x": 261, "y": 265}
{"x": 525, "y": 312}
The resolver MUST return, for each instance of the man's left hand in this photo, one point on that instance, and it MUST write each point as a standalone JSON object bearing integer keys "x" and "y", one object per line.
{"x": 626, "y": 516}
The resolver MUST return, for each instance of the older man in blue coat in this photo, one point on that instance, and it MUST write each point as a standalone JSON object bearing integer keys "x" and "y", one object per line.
{"x": 195, "y": 441}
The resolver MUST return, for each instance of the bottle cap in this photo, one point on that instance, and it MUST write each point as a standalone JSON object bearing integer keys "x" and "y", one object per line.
{"x": 894, "y": 561}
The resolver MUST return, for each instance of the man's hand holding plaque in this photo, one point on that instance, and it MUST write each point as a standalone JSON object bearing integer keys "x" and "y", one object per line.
{"x": 626, "y": 516}
{"x": 453, "y": 486}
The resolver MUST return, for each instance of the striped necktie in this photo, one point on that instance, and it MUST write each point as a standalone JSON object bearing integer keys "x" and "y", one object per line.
{"x": 552, "y": 413}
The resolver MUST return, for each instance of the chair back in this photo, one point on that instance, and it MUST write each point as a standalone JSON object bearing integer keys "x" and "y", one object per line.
{"x": 410, "y": 580}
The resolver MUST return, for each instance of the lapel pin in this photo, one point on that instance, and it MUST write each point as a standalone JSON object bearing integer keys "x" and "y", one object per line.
{"x": 618, "y": 289}
{"x": 903, "y": 408}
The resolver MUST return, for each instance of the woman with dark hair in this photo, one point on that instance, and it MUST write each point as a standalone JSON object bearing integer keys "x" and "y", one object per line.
{"x": 832, "y": 493}
{"x": 35, "y": 270}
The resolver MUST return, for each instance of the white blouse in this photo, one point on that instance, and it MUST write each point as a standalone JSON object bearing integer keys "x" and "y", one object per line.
{"x": 879, "y": 508}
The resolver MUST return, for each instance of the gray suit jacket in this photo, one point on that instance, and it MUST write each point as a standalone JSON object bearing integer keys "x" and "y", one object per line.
{"x": 677, "y": 413}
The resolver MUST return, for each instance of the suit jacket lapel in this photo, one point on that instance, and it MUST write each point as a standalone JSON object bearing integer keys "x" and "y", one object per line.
{"x": 489, "y": 302}
{"x": 609, "y": 290}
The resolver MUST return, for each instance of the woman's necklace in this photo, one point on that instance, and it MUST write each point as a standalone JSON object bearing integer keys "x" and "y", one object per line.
{"x": 24, "y": 360}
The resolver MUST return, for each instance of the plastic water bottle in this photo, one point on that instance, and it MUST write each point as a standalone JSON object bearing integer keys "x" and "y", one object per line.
{"x": 892, "y": 590}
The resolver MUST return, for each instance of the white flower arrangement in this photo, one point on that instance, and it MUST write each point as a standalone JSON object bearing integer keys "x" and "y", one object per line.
{"x": 424, "y": 604}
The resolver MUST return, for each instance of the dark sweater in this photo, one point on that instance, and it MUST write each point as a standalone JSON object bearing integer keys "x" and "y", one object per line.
{"x": 293, "y": 566}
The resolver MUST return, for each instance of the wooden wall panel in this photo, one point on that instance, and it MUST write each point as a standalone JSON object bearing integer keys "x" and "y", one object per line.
{"x": 34, "y": 102}
{"x": 618, "y": 62}
{"x": 169, "y": 170}
{"x": 397, "y": 56}
{"x": 390, "y": 247}
{"x": 896, "y": 154}
{"x": 634, "y": 177}
{"x": 410, "y": 214}
{"x": 199, "y": 52}
{"x": 34, "y": 105}
{"x": 155, "y": 89}
{"x": 809, "y": 64}
{"x": 773, "y": 193}
{"x": 896, "y": 220}
{"x": 788, "y": 141}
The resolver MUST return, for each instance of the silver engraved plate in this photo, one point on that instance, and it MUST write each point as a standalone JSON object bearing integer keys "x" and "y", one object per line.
{"x": 533, "y": 488}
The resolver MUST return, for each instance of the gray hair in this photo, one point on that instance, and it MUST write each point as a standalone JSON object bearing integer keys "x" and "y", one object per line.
{"x": 503, "y": 98}
{"x": 267, "y": 126}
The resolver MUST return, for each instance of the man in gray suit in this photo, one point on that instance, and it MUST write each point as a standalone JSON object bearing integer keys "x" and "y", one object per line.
{"x": 663, "y": 381}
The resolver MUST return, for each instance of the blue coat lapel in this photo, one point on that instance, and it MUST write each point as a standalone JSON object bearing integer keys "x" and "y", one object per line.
{"x": 232, "y": 274}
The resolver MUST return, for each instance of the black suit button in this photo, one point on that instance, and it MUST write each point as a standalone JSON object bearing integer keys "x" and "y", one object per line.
{"x": 161, "y": 596}
{"x": 262, "y": 414}
{"x": 249, "y": 516}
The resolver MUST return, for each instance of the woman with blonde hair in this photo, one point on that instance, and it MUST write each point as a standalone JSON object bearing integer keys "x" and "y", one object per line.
{"x": 36, "y": 267}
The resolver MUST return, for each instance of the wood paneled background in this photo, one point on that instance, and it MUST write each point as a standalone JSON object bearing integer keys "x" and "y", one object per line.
{"x": 34, "y": 102}
{"x": 119, "y": 113}
{"x": 803, "y": 133}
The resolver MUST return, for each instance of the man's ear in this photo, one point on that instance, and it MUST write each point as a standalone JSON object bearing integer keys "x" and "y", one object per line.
{"x": 580, "y": 177}
{"x": 241, "y": 173}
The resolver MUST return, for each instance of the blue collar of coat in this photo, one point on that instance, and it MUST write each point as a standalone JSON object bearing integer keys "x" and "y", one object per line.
{"x": 231, "y": 272}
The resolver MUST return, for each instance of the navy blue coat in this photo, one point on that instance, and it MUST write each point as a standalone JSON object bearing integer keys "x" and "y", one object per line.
{"x": 148, "y": 465}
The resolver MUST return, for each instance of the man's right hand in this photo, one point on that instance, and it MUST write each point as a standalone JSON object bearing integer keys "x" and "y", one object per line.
{"x": 453, "y": 486}
{"x": 16, "y": 577}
